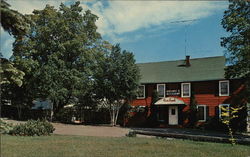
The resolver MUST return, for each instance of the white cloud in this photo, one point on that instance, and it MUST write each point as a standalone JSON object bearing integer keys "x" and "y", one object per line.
{"x": 27, "y": 6}
{"x": 119, "y": 17}
{"x": 127, "y": 16}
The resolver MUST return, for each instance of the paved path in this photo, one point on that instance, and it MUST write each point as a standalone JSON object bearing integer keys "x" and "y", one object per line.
{"x": 188, "y": 131}
{"x": 192, "y": 134}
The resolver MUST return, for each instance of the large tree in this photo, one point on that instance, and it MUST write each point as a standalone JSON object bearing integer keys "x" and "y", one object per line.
{"x": 236, "y": 21}
{"x": 117, "y": 80}
{"x": 58, "y": 54}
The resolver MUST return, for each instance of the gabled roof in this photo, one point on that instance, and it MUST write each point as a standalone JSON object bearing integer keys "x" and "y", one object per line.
{"x": 201, "y": 69}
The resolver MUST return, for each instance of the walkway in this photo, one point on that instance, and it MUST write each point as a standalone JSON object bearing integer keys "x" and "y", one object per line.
{"x": 192, "y": 134}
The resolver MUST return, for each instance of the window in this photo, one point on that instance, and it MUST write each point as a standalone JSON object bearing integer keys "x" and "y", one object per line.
{"x": 224, "y": 110}
{"x": 185, "y": 90}
{"x": 224, "y": 88}
{"x": 173, "y": 111}
{"x": 202, "y": 113}
{"x": 141, "y": 92}
{"x": 161, "y": 90}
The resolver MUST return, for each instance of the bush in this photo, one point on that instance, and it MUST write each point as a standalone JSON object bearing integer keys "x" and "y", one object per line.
{"x": 5, "y": 127}
{"x": 33, "y": 128}
{"x": 65, "y": 115}
{"x": 131, "y": 134}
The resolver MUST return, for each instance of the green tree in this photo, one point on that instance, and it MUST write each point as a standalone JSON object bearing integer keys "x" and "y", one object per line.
{"x": 15, "y": 24}
{"x": 152, "y": 118}
{"x": 117, "y": 80}
{"x": 236, "y": 21}
{"x": 12, "y": 21}
{"x": 10, "y": 74}
{"x": 58, "y": 54}
{"x": 192, "y": 113}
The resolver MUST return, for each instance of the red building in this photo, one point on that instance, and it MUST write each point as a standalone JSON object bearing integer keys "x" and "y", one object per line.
{"x": 177, "y": 81}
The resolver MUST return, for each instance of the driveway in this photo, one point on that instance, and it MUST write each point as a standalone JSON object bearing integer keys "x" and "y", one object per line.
{"x": 86, "y": 130}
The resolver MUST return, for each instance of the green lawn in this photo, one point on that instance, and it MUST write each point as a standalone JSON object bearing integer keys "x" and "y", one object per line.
{"x": 81, "y": 146}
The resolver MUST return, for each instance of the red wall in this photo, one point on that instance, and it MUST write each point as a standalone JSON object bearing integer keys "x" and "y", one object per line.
{"x": 206, "y": 93}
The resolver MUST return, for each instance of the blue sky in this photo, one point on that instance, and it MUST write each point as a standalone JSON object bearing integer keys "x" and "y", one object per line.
{"x": 148, "y": 28}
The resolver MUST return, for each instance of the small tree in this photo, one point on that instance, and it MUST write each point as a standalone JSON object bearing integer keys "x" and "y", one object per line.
{"x": 227, "y": 115}
{"x": 117, "y": 80}
{"x": 152, "y": 119}
{"x": 192, "y": 114}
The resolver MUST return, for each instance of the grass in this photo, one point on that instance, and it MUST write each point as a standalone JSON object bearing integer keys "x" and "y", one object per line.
{"x": 82, "y": 146}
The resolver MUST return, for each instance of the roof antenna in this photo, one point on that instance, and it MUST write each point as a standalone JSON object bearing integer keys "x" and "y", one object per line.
{"x": 185, "y": 31}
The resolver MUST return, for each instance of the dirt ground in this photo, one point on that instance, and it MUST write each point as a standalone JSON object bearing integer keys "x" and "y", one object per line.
{"x": 85, "y": 130}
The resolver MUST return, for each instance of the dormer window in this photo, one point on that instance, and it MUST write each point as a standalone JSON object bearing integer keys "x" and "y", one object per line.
{"x": 224, "y": 88}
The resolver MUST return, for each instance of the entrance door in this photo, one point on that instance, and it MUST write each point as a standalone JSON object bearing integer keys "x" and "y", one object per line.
{"x": 173, "y": 115}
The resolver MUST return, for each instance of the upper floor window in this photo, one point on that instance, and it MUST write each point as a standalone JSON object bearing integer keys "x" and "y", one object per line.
{"x": 202, "y": 113}
{"x": 161, "y": 90}
{"x": 141, "y": 92}
{"x": 224, "y": 88}
{"x": 224, "y": 110}
{"x": 185, "y": 90}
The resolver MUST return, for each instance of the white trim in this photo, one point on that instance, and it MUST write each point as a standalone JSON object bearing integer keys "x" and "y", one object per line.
{"x": 143, "y": 92}
{"x": 205, "y": 112}
{"x": 228, "y": 105}
{"x": 182, "y": 89}
{"x": 164, "y": 92}
{"x": 227, "y": 88}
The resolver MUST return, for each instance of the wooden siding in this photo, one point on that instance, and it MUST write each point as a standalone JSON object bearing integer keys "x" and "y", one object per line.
{"x": 206, "y": 93}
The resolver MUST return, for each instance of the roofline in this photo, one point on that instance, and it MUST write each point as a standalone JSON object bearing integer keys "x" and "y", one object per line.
{"x": 180, "y": 60}
{"x": 190, "y": 81}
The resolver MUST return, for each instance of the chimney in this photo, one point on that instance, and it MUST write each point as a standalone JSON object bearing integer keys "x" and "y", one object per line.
{"x": 188, "y": 61}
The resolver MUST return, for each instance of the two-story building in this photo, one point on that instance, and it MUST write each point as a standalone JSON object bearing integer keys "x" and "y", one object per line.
{"x": 176, "y": 81}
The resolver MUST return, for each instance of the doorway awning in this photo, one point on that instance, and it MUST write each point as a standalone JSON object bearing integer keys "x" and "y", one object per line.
{"x": 170, "y": 101}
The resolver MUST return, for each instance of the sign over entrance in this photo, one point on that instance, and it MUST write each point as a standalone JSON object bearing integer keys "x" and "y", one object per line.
{"x": 173, "y": 92}
{"x": 169, "y": 101}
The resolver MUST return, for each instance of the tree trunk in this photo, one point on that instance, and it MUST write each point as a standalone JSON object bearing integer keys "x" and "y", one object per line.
{"x": 116, "y": 115}
{"x": 113, "y": 116}
{"x": 19, "y": 112}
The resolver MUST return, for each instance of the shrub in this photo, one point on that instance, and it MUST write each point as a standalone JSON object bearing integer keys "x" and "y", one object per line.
{"x": 131, "y": 134}
{"x": 65, "y": 115}
{"x": 5, "y": 127}
{"x": 33, "y": 128}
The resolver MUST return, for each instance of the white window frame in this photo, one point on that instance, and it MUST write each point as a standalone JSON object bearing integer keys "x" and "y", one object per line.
{"x": 182, "y": 84}
{"x": 143, "y": 92}
{"x": 164, "y": 95}
{"x": 205, "y": 113}
{"x": 227, "y": 88}
{"x": 228, "y": 105}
